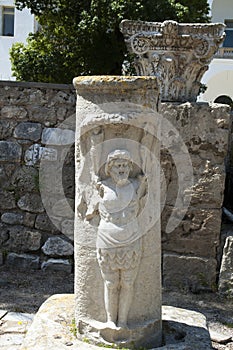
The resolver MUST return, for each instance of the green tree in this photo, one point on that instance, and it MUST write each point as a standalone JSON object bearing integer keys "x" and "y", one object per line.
{"x": 83, "y": 37}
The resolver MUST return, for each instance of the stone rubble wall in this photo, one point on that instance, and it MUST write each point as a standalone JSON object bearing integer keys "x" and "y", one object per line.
{"x": 191, "y": 252}
{"x": 29, "y": 112}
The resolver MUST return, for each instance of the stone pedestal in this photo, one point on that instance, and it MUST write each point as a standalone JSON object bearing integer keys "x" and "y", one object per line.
{"x": 117, "y": 221}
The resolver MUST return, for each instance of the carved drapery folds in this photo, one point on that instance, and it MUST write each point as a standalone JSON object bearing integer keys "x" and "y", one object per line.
{"x": 177, "y": 53}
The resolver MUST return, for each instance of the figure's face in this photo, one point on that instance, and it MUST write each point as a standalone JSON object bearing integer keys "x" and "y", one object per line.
{"x": 119, "y": 171}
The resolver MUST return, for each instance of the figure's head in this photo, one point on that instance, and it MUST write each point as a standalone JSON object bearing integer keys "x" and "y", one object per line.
{"x": 118, "y": 166}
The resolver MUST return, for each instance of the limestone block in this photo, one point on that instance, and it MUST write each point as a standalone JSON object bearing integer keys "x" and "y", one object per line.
{"x": 226, "y": 270}
{"x": 26, "y": 178}
{"x": 7, "y": 200}
{"x": 56, "y": 136}
{"x": 57, "y": 265}
{"x": 189, "y": 272}
{"x": 28, "y": 130}
{"x": 12, "y": 218}
{"x": 13, "y": 112}
{"x": 57, "y": 246}
{"x": 10, "y": 151}
{"x": 31, "y": 202}
{"x": 43, "y": 223}
{"x": 23, "y": 261}
{"x": 197, "y": 233}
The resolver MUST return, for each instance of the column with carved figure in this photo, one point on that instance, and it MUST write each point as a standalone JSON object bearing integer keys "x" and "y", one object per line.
{"x": 117, "y": 219}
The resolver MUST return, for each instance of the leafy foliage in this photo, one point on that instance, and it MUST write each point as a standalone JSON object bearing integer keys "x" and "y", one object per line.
{"x": 83, "y": 37}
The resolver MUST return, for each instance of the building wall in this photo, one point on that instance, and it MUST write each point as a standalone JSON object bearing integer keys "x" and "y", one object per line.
{"x": 24, "y": 23}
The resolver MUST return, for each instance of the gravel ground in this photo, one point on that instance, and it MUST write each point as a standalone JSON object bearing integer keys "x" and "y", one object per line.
{"x": 25, "y": 292}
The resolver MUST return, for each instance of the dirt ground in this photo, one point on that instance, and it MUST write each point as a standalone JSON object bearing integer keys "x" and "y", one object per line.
{"x": 25, "y": 292}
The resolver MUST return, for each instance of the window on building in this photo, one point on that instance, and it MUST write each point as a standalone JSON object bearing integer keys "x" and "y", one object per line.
{"x": 228, "y": 42}
{"x": 8, "y": 19}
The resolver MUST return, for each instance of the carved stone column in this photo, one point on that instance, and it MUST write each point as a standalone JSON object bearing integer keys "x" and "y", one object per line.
{"x": 117, "y": 220}
{"x": 177, "y": 53}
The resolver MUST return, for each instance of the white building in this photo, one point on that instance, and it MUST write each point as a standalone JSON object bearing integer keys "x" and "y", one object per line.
{"x": 14, "y": 27}
{"x": 219, "y": 77}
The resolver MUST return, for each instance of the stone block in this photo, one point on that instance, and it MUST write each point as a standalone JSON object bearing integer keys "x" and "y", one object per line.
{"x": 14, "y": 112}
{"x": 29, "y": 219}
{"x": 7, "y": 200}
{"x": 42, "y": 114}
{"x": 31, "y": 202}
{"x": 189, "y": 272}
{"x": 56, "y": 136}
{"x": 12, "y": 218}
{"x": 57, "y": 265}
{"x": 23, "y": 261}
{"x": 20, "y": 239}
{"x": 6, "y": 129}
{"x": 197, "y": 232}
{"x": 10, "y": 151}
{"x": 26, "y": 178}
{"x": 1, "y": 260}
{"x": 57, "y": 246}
{"x": 35, "y": 152}
{"x": 28, "y": 131}
{"x": 226, "y": 270}
{"x": 43, "y": 223}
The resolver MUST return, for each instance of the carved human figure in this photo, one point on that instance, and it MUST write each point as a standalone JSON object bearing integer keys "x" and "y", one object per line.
{"x": 118, "y": 238}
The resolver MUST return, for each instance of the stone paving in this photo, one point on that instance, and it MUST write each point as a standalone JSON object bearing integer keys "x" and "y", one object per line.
{"x": 13, "y": 328}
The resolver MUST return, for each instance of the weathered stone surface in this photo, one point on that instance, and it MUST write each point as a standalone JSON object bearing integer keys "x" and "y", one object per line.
{"x": 7, "y": 200}
{"x": 57, "y": 246}
{"x": 43, "y": 223}
{"x": 226, "y": 270}
{"x": 29, "y": 219}
{"x": 183, "y": 329}
{"x": 220, "y": 338}
{"x": 21, "y": 239}
{"x": 28, "y": 130}
{"x": 177, "y": 53}
{"x": 31, "y": 202}
{"x": 12, "y": 218}
{"x": 41, "y": 114}
{"x": 13, "y": 112}
{"x": 189, "y": 272}
{"x": 26, "y": 178}
{"x": 23, "y": 261}
{"x": 64, "y": 208}
{"x": 197, "y": 233}
{"x": 10, "y": 151}
{"x": 35, "y": 152}
{"x": 67, "y": 228}
{"x": 59, "y": 265}
{"x": 56, "y": 136}
{"x": 120, "y": 136}
{"x": 6, "y": 129}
